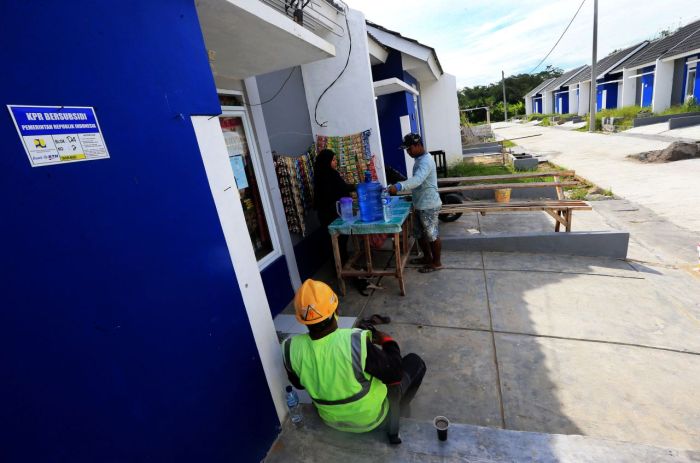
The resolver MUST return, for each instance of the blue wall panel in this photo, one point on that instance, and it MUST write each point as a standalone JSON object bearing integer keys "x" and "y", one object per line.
{"x": 390, "y": 108}
{"x": 647, "y": 83}
{"x": 562, "y": 103}
{"x": 278, "y": 286}
{"x": 124, "y": 337}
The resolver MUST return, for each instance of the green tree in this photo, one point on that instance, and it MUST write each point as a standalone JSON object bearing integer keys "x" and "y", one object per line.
{"x": 492, "y": 95}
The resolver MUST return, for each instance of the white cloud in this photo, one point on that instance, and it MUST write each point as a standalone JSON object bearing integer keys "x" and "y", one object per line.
{"x": 475, "y": 40}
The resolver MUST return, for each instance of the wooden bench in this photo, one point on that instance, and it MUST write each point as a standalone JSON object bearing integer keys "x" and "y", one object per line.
{"x": 560, "y": 209}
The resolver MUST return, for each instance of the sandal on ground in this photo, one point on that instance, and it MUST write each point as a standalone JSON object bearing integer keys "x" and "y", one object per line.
{"x": 417, "y": 261}
{"x": 429, "y": 269}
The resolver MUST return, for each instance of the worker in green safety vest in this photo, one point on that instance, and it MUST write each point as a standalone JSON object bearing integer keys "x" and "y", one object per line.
{"x": 346, "y": 371}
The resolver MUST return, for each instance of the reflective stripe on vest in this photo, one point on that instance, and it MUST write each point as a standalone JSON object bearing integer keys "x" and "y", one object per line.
{"x": 356, "y": 346}
{"x": 347, "y": 426}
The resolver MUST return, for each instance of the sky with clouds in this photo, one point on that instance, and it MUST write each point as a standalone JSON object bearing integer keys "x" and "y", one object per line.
{"x": 476, "y": 39}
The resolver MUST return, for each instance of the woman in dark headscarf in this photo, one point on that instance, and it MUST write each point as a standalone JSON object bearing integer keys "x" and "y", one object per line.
{"x": 329, "y": 187}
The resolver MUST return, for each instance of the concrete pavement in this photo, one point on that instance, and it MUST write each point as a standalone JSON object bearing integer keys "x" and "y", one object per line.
{"x": 669, "y": 190}
{"x": 597, "y": 347}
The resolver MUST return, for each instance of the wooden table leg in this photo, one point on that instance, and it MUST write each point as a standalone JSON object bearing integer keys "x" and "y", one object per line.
{"x": 399, "y": 267}
{"x": 557, "y": 224}
{"x": 368, "y": 253}
{"x": 338, "y": 263}
{"x": 569, "y": 216}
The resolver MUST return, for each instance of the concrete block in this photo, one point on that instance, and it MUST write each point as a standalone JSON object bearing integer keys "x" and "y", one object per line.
{"x": 686, "y": 121}
{"x": 602, "y": 244}
{"x": 526, "y": 162}
{"x": 640, "y": 121}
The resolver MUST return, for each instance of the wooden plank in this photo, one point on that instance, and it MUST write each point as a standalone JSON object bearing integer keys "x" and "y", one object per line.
{"x": 556, "y": 216}
{"x": 486, "y": 178}
{"x": 560, "y": 191}
{"x": 399, "y": 266}
{"x": 516, "y": 209}
{"x": 447, "y": 208}
{"x": 498, "y": 186}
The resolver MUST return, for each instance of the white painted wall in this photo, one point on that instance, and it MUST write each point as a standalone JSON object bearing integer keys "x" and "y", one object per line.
{"x": 547, "y": 102}
{"x": 573, "y": 100}
{"x": 440, "y": 111}
{"x": 228, "y": 206}
{"x": 348, "y": 107}
{"x": 405, "y": 122}
{"x": 629, "y": 87}
{"x": 528, "y": 105}
{"x": 584, "y": 98}
{"x": 663, "y": 86}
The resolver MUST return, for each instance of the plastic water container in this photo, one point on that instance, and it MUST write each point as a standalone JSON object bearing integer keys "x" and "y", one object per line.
{"x": 369, "y": 195}
{"x": 293, "y": 405}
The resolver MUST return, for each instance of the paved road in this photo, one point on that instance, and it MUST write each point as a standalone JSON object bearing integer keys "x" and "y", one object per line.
{"x": 670, "y": 190}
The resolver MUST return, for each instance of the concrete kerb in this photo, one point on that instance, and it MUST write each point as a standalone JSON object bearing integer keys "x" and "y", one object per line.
{"x": 591, "y": 244}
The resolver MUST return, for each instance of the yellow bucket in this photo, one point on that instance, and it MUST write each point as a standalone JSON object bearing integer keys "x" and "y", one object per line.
{"x": 503, "y": 195}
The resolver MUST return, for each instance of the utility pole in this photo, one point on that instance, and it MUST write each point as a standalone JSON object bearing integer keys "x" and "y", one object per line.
{"x": 594, "y": 73}
{"x": 505, "y": 103}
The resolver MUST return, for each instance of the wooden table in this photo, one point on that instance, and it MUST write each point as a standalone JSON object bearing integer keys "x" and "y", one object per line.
{"x": 399, "y": 227}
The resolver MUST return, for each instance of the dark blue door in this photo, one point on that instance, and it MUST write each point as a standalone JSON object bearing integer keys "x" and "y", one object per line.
{"x": 647, "y": 83}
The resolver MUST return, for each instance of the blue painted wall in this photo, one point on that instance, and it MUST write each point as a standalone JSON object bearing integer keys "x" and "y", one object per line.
{"x": 537, "y": 105}
{"x": 390, "y": 108}
{"x": 696, "y": 89}
{"x": 647, "y": 83}
{"x": 413, "y": 113}
{"x": 563, "y": 102}
{"x": 611, "y": 90}
{"x": 278, "y": 286}
{"x": 124, "y": 333}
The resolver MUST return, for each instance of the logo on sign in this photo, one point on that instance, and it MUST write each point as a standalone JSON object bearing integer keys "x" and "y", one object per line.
{"x": 39, "y": 143}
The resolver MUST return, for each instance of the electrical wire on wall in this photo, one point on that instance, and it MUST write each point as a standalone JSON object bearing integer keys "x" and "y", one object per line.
{"x": 276, "y": 93}
{"x": 347, "y": 61}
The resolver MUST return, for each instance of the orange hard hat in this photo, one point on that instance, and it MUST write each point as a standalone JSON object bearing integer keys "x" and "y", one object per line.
{"x": 314, "y": 302}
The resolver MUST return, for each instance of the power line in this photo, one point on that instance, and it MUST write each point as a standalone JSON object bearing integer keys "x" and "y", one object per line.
{"x": 560, "y": 37}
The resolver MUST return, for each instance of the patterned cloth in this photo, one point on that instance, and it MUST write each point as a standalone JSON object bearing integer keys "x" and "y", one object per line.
{"x": 400, "y": 208}
{"x": 426, "y": 224}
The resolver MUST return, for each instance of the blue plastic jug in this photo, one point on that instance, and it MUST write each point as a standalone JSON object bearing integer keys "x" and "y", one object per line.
{"x": 369, "y": 195}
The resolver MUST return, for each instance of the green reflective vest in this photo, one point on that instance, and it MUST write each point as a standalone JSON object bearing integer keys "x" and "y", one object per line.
{"x": 332, "y": 370}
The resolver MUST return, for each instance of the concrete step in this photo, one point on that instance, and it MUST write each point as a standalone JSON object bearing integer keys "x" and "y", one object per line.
{"x": 315, "y": 441}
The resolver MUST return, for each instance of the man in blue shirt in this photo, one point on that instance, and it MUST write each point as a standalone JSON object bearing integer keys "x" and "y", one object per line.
{"x": 426, "y": 201}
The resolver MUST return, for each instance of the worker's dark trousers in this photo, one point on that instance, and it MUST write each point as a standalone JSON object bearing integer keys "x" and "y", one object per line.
{"x": 413, "y": 372}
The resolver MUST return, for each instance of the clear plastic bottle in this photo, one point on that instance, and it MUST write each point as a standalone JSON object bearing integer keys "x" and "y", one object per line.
{"x": 293, "y": 405}
{"x": 386, "y": 205}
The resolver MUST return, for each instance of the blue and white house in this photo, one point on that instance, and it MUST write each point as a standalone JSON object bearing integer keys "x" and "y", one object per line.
{"x": 664, "y": 72}
{"x": 413, "y": 94}
{"x": 655, "y": 75}
{"x": 534, "y": 99}
{"x": 556, "y": 94}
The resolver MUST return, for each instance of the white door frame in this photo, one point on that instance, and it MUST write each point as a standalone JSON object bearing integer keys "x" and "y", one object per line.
{"x": 261, "y": 180}
{"x": 212, "y": 147}
{"x": 268, "y": 165}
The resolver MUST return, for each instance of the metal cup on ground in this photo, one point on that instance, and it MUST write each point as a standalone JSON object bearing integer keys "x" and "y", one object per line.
{"x": 441, "y": 423}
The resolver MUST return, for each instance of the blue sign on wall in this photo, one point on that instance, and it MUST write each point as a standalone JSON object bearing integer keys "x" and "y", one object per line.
{"x": 58, "y": 134}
